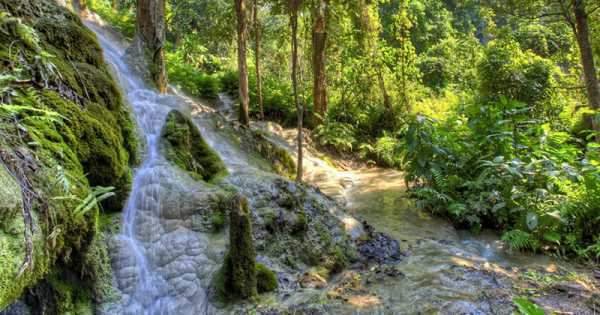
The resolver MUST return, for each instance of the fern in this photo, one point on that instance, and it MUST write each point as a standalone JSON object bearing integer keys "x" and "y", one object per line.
{"x": 520, "y": 240}
{"x": 93, "y": 199}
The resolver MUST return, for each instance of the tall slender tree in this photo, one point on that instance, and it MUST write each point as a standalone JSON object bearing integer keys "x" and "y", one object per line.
{"x": 242, "y": 32}
{"x": 150, "y": 39}
{"x": 576, "y": 14}
{"x": 319, "y": 45}
{"x": 581, "y": 30}
{"x": 257, "y": 52}
{"x": 294, "y": 6}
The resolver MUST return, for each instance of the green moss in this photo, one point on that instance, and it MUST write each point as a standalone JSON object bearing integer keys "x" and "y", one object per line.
{"x": 70, "y": 297}
{"x": 184, "y": 146}
{"x": 266, "y": 279}
{"x": 70, "y": 131}
{"x": 301, "y": 224}
{"x": 80, "y": 88}
{"x": 280, "y": 160}
{"x": 239, "y": 267}
{"x": 97, "y": 270}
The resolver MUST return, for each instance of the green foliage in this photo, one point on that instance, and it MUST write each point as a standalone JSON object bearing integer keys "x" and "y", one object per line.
{"x": 93, "y": 199}
{"x": 527, "y": 307}
{"x": 508, "y": 72}
{"x": 337, "y": 135}
{"x": 520, "y": 240}
{"x": 191, "y": 79}
{"x": 498, "y": 166}
{"x": 123, "y": 18}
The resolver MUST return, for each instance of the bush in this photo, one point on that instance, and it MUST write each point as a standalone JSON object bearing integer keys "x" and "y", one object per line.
{"x": 513, "y": 174}
{"x": 336, "y": 135}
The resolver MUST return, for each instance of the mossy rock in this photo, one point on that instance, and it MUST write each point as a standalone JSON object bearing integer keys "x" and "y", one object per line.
{"x": 184, "y": 146}
{"x": 74, "y": 132}
{"x": 77, "y": 85}
{"x": 266, "y": 279}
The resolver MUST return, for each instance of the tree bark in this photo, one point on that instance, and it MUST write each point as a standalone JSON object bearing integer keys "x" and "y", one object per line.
{"x": 319, "y": 43}
{"x": 240, "y": 9}
{"x": 151, "y": 38}
{"x": 257, "y": 38}
{"x": 294, "y": 5}
{"x": 587, "y": 56}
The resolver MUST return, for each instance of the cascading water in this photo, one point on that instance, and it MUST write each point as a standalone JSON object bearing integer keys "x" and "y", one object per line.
{"x": 161, "y": 266}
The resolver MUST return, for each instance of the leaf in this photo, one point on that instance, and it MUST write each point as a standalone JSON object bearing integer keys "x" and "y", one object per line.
{"x": 498, "y": 206}
{"x": 527, "y": 307}
{"x": 532, "y": 220}
{"x": 553, "y": 237}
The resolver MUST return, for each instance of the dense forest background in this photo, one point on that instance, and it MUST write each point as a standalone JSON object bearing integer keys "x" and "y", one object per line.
{"x": 486, "y": 105}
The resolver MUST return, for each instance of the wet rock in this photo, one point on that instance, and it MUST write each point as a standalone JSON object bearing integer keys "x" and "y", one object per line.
{"x": 380, "y": 248}
{"x": 380, "y": 273}
{"x": 17, "y": 308}
{"x": 462, "y": 308}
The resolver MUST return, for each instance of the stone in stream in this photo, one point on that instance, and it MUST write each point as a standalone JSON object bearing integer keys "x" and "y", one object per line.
{"x": 379, "y": 247}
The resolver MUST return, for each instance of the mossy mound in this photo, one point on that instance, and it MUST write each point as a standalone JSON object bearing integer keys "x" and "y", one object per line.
{"x": 184, "y": 146}
{"x": 266, "y": 279}
{"x": 47, "y": 45}
{"x": 64, "y": 130}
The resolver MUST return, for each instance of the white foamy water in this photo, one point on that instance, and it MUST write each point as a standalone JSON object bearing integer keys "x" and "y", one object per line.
{"x": 159, "y": 267}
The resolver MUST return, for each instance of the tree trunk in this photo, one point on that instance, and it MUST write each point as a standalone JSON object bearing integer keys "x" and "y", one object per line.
{"x": 257, "y": 35}
{"x": 319, "y": 42}
{"x": 294, "y": 5}
{"x": 151, "y": 38}
{"x": 240, "y": 9}
{"x": 587, "y": 57}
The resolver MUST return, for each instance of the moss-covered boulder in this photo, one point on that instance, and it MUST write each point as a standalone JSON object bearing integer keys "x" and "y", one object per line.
{"x": 266, "y": 279}
{"x": 184, "y": 146}
{"x": 64, "y": 129}
{"x": 47, "y": 46}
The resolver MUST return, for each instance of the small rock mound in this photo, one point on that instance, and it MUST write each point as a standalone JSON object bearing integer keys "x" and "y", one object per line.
{"x": 379, "y": 247}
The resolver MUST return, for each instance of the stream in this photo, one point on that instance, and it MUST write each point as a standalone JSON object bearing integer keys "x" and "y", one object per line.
{"x": 163, "y": 261}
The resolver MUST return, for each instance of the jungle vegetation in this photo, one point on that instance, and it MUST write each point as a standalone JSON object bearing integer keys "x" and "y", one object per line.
{"x": 489, "y": 107}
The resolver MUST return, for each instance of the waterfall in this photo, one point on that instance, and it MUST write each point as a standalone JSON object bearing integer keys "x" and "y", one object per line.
{"x": 161, "y": 267}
